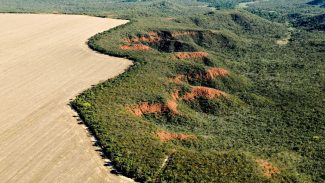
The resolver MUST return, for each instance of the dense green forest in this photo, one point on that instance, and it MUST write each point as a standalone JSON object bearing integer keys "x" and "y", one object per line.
{"x": 320, "y": 3}
{"x": 127, "y": 9}
{"x": 224, "y": 4}
{"x": 217, "y": 93}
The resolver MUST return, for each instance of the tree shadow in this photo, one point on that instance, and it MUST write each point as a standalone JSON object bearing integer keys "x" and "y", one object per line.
{"x": 95, "y": 143}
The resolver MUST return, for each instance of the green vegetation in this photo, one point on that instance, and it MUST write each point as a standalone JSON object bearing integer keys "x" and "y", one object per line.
{"x": 286, "y": 7}
{"x": 316, "y": 22}
{"x": 127, "y": 9}
{"x": 272, "y": 114}
{"x": 273, "y": 111}
{"x": 309, "y": 15}
{"x": 224, "y": 4}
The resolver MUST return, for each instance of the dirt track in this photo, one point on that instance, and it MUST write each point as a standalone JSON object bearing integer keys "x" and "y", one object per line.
{"x": 44, "y": 62}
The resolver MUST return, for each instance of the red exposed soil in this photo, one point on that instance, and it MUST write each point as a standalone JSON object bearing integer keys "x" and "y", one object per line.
{"x": 268, "y": 169}
{"x": 172, "y": 106}
{"x": 136, "y": 47}
{"x": 215, "y": 72}
{"x": 189, "y": 55}
{"x": 146, "y": 108}
{"x": 200, "y": 91}
{"x": 185, "y": 33}
{"x": 175, "y": 95}
{"x": 167, "y": 136}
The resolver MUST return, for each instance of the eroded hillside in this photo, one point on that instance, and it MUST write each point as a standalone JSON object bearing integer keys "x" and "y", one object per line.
{"x": 208, "y": 97}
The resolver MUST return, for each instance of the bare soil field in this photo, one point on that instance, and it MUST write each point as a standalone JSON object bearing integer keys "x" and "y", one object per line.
{"x": 45, "y": 62}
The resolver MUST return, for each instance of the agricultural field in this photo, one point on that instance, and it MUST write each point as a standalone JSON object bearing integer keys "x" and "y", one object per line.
{"x": 218, "y": 92}
{"x": 44, "y": 62}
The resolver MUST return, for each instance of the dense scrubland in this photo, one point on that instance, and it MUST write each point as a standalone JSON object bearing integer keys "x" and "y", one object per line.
{"x": 216, "y": 94}
{"x": 127, "y": 9}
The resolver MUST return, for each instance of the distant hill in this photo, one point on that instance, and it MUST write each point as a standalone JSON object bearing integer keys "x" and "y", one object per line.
{"x": 224, "y": 4}
{"x": 320, "y": 3}
{"x": 316, "y": 2}
{"x": 309, "y": 23}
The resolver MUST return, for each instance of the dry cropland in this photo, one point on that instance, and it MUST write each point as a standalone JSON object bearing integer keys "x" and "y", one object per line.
{"x": 44, "y": 63}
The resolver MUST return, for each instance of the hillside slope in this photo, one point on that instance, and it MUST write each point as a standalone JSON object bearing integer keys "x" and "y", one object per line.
{"x": 209, "y": 97}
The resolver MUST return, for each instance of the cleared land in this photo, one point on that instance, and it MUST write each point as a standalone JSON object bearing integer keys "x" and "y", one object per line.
{"x": 44, "y": 62}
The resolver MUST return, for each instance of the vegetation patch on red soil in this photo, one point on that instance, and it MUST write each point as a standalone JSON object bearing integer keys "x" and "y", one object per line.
{"x": 189, "y": 55}
{"x": 215, "y": 72}
{"x": 185, "y": 33}
{"x": 151, "y": 37}
{"x": 175, "y": 95}
{"x": 209, "y": 74}
{"x": 172, "y": 106}
{"x": 152, "y": 33}
{"x": 136, "y": 47}
{"x": 268, "y": 169}
{"x": 167, "y": 136}
{"x": 146, "y": 108}
{"x": 201, "y": 91}
{"x": 178, "y": 79}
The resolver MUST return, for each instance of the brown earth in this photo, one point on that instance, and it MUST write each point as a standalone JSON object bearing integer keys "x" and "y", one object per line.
{"x": 146, "y": 108}
{"x": 268, "y": 169}
{"x": 136, "y": 47}
{"x": 175, "y": 95}
{"x": 201, "y": 91}
{"x": 172, "y": 106}
{"x": 44, "y": 62}
{"x": 215, "y": 72}
{"x": 167, "y": 136}
{"x": 189, "y": 55}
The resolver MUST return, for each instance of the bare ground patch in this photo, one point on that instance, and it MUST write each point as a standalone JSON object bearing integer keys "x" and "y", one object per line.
{"x": 268, "y": 169}
{"x": 201, "y": 91}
